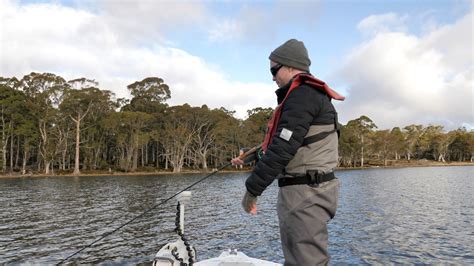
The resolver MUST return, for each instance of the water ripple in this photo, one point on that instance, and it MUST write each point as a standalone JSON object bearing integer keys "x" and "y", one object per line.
{"x": 385, "y": 216}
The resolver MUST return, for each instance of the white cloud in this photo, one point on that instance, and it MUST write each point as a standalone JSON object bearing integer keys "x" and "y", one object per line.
{"x": 261, "y": 22}
{"x": 224, "y": 31}
{"x": 77, "y": 43}
{"x": 382, "y": 23}
{"x": 142, "y": 21}
{"x": 399, "y": 79}
{"x": 248, "y": 24}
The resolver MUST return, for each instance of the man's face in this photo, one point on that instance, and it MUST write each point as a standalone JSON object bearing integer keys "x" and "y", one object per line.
{"x": 281, "y": 73}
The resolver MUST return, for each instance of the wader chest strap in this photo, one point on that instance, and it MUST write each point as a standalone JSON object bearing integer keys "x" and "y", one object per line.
{"x": 322, "y": 135}
{"x": 317, "y": 137}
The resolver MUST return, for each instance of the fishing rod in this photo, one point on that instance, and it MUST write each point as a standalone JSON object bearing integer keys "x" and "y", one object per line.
{"x": 242, "y": 156}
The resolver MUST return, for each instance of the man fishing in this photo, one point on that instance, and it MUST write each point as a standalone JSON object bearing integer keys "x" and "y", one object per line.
{"x": 300, "y": 150}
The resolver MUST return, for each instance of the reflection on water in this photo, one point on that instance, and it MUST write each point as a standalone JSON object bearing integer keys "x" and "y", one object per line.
{"x": 410, "y": 215}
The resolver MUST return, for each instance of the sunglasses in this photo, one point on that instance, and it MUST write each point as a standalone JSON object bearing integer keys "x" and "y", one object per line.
{"x": 274, "y": 69}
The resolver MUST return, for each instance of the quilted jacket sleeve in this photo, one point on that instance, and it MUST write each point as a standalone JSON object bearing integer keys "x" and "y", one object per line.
{"x": 299, "y": 110}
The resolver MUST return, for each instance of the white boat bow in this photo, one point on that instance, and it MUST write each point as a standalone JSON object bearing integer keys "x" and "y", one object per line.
{"x": 181, "y": 253}
{"x": 235, "y": 258}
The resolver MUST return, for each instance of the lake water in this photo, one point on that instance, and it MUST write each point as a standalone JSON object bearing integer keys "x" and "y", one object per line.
{"x": 408, "y": 215}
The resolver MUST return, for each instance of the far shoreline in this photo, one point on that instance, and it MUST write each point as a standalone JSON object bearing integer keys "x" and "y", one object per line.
{"x": 411, "y": 164}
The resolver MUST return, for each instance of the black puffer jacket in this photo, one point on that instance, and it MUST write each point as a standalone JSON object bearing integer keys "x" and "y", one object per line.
{"x": 305, "y": 106}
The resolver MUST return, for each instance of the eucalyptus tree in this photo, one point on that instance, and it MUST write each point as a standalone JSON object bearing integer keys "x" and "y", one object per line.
{"x": 23, "y": 131}
{"x": 64, "y": 139}
{"x": 12, "y": 82}
{"x": 11, "y": 105}
{"x": 113, "y": 146}
{"x": 435, "y": 142}
{"x": 27, "y": 131}
{"x": 470, "y": 145}
{"x": 461, "y": 146}
{"x": 230, "y": 136}
{"x": 96, "y": 135}
{"x": 16, "y": 124}
{"x": 12, "y": 109}
{"x": 204, "y": 137}
{"x": 156, "y": 136}
{"x": 255, "y": 126}
{"x": 78, "y": 103}
{"x": 131, "y": 135}
{"x": 178, "y": 131}
{"x": 44, "y": 92}
{"x": 382, "y": 144}
{"x": 362, "y": 128}
{"x": 443, "y": 141}
{"x": 151, "y": 89}
{"x": 398, "y": 143}
{"x": 5, "y": 94}
{"x": 22, "y": 124}
{"x": 413, "y": 135}
{"x": 148, "y": 97}
{"x": 348, "y": 146}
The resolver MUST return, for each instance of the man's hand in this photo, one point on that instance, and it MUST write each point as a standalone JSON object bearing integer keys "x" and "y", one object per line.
{"x": 237, "y": 161}
{"x": 249, "y": 202}
{"x": 247, "y": 155}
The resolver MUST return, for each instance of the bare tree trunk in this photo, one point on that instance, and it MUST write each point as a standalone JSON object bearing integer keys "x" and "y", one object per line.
{"x": 64, "y": 152}
{"x": 204, "y": 162}
{"x": 146, "y": 154}
{"x": 17, "y": 152}
{"x": 135, "y": 153}
{"x": 38, "y": 159}
{"x": 122, "y": 161}
{"x": 157, "y": 156}
{"x": 128, "y": 160}
{"x": 153, "y": 156}
{"x": 4, "y": 155}
{"x": 4, "y": 146}
{"x": 143, "y": 156}
{"x": 25, "y": 159}
{"x": 78, "y": 139}
{"x": 129, "y": 157}
{"x": 68, "y": 161}
{"x": 12, "y": 143}
{"x": 97, "y": 154}
{"x": 44, "y": 146}
{"x": 441, "y": 158}
{"x": 47, "y": 164}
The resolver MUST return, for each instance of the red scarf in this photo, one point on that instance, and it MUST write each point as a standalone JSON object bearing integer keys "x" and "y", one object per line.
{"x": 300, "y": 79}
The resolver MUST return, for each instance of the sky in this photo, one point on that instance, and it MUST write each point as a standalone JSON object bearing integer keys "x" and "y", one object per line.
{"x": 399, "y": 62}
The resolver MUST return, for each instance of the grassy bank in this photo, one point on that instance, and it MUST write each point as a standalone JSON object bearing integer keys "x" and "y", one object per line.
{"x": 153, "y": 172}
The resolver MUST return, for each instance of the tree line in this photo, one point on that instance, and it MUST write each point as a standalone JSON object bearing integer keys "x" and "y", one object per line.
{"x": 51, "y": 125}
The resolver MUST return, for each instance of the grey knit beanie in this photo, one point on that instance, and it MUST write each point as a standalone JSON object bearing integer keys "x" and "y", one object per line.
{"x": 292, "y": 53}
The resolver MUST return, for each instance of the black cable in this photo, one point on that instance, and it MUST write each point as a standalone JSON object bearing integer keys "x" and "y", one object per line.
{"x": 161, "y": 203}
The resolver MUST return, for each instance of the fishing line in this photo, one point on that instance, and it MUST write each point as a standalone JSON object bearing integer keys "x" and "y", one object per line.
{"x": 145, "y": 212}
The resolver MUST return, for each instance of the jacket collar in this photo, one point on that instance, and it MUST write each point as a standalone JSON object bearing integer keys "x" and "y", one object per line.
{"x": 282, "y": 91}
